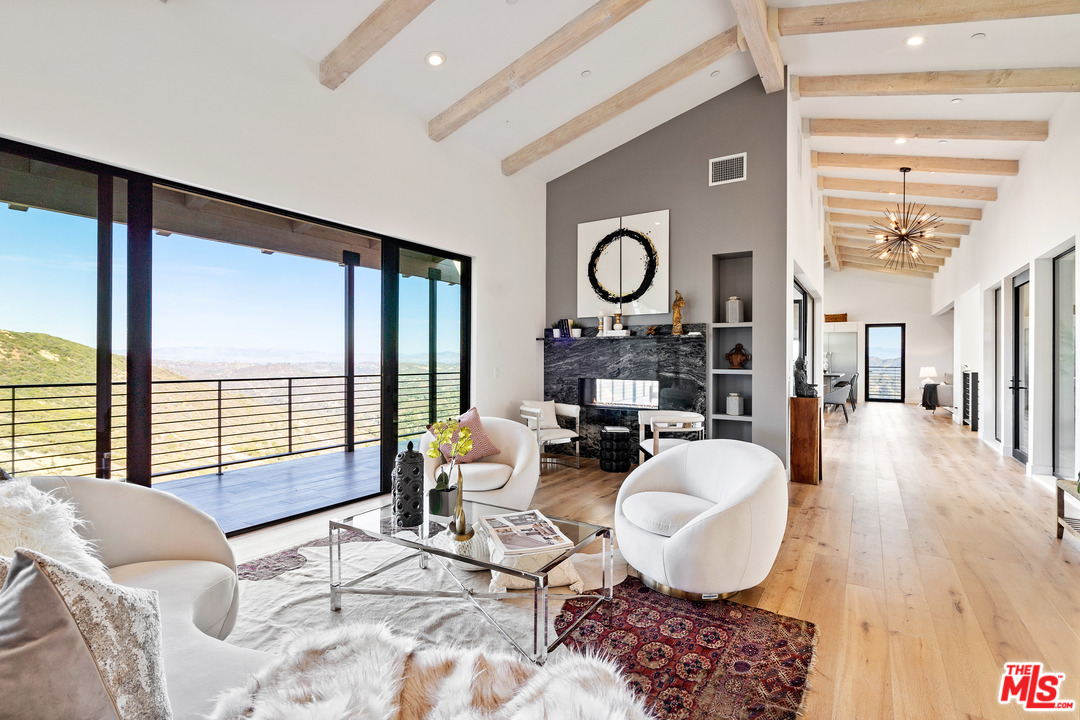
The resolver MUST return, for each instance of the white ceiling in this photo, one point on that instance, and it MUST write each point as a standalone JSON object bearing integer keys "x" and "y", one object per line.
{"x": 480, "y": 37}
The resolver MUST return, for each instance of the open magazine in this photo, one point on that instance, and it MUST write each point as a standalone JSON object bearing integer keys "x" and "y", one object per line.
{"x": 524, "y": 532}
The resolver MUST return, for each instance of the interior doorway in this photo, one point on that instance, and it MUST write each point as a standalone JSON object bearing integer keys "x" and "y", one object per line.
{"x": 1021, "y": 366}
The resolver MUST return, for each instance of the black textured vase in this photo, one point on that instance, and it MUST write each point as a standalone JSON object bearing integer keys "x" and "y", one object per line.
{"x": 407, "y": 485}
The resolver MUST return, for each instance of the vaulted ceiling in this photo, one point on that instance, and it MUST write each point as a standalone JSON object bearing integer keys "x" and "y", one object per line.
{"x": 547, "y": 85}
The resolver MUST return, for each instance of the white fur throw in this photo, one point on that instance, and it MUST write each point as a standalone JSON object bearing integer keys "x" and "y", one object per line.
{"x": 39, "y": 521}
{"x": 369, "y": 672}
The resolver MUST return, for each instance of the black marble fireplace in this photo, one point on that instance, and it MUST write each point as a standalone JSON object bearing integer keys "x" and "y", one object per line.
{"x": 613, "y": 378}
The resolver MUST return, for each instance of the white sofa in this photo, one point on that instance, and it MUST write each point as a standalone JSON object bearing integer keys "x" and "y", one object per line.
{"x": 151, "y": 539}
{"x": 703, "y": 519}
{"x": 506, "y": 480}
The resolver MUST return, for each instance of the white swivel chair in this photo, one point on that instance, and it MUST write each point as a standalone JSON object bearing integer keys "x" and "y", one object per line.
{"x": 549, "y": 432}
{"x": 506, "y": 480}
{"x": 704, "y": 519}
{"x": 653, "y": 424}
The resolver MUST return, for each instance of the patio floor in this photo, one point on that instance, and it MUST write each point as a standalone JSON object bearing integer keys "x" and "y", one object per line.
{"x": 249, "y": 497}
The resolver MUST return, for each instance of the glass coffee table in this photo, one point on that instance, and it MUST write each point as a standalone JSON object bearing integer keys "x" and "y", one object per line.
{"x": 377, "y": 524}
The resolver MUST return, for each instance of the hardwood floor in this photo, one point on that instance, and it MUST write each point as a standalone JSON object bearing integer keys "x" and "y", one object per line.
{"x": 926, "y": 560}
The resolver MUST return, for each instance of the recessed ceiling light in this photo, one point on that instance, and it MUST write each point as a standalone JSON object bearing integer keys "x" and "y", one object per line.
{"x": 586, "y": 73}
{"x": 900, "y": 141}
{"x": 978, "y": 36}
{"x": 915, "y": 40}
{"x": 511, "y": 2}
{"x": 714, "y": 73}
{"x": 435, "y": 58}
{"x": 957, "y": 101}
{"x": 892, "y": 193}
{"x": 943, "y": 142}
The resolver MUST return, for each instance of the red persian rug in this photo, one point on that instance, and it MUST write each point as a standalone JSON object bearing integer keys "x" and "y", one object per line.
{"x": 698, "y": 660}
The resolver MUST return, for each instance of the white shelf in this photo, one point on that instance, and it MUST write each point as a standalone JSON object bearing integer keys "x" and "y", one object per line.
{"x": 733, "y": 325}
{"x": 727, "y": 371}
{"x": 733, "y": 418}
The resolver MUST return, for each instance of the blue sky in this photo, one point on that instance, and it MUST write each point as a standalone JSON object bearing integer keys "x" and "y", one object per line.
{"x": 206, "y": 294}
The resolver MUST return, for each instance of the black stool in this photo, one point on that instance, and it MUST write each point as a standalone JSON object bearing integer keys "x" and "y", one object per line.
{"x": 616, "y": 448}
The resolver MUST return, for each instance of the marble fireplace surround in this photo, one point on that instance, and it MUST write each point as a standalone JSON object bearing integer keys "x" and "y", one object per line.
{"x": 678, "y": 363}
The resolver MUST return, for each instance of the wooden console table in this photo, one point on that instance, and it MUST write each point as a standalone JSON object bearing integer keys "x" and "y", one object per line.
{"x": 806, "y": 440}
{"x": 1066, "y": 487}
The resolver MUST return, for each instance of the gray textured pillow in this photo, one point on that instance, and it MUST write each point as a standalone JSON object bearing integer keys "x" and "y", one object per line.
{"x": 74, "y": 647}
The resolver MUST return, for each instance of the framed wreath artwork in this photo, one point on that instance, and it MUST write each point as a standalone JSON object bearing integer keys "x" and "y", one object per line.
{"x": 623, "y": 262}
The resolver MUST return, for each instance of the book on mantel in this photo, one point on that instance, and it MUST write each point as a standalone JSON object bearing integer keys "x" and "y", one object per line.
{"x": 524, "y": 532}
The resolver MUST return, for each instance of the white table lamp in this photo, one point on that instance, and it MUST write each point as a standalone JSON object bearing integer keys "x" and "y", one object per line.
{"x": 928, "y": 374}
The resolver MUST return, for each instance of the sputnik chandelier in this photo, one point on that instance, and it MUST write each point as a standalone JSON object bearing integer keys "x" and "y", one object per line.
{"x": 905, "y": 235}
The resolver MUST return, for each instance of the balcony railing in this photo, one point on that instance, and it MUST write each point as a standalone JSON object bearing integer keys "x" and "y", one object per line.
{"x": 203, "y": 425}
{"x": 883, "y": 383}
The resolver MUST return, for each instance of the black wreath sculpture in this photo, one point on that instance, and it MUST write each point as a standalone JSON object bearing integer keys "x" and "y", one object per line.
{"x": 651, "y": 262}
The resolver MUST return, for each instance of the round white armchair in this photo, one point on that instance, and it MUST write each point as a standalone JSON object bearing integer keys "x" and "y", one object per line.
{"x": 508, "y": 479}
{"x": 704, "y": 519}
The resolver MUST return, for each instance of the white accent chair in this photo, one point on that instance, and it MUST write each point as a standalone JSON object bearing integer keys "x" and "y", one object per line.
{"x": 704, "y": 519}
{"x": 551, "y": 433}
{"x": 153, "y": 540}
{"x": 658, "y": 422}
{"x": 506, "y": 480}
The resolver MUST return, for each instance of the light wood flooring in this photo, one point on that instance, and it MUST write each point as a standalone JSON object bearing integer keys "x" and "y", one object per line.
{"x": 926, "y": 560}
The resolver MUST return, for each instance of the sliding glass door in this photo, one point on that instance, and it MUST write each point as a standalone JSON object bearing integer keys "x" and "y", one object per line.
{"x": 885, "y": 362}
{"x": 1065, "y": 365}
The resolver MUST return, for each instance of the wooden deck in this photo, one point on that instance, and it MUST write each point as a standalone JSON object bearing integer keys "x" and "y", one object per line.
{"x": 252, "y": 497}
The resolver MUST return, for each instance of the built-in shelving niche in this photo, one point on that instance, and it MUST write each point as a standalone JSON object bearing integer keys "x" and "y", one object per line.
{"x": 733, "y": 275}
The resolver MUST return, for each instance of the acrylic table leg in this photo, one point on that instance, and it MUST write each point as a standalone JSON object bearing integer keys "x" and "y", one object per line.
{"x": 335, "y": 568}
{"x": 423, "y": 561}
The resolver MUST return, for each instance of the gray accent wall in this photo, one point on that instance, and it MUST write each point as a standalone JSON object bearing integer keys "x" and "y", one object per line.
{"x": 667, "y": 168}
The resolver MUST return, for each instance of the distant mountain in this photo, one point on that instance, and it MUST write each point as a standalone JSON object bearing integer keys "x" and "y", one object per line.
{"x": 38, "y": 359}
{"x": 247, "y": 355}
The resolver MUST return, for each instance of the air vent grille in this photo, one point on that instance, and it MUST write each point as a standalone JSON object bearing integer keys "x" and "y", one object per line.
{"x": 729, "y": 169}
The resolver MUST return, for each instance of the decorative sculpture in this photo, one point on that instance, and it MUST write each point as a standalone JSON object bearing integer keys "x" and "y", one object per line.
{"x": 407, "y": 484}
{"x": 738, "y": 357}
{"x": 676, "y": 314}
{"x": 803, "y": 388}
{"x": 651, "y": 329}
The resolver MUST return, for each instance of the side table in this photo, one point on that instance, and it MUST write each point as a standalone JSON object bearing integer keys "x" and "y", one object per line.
{"x": 616, "y": 448}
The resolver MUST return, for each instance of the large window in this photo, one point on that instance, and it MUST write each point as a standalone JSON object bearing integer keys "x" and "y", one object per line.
{"x": 165, "y": 334}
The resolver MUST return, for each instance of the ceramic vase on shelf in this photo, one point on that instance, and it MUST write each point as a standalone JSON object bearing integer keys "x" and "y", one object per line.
{"x": 738, "y": 357}
{"x": 734, "y": 310}
{"x": 734, "y": 404}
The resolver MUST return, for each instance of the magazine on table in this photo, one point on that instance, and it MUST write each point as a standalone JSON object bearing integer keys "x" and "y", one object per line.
{"x": 524, "y": 532}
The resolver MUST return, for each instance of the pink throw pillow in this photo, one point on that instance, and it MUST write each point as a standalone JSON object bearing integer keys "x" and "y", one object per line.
{"x": 482, "y": 446}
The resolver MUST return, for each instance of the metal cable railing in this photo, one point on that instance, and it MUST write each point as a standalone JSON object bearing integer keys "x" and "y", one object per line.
{"x": 883, "y": 383}
{"x": 203, "y": 425}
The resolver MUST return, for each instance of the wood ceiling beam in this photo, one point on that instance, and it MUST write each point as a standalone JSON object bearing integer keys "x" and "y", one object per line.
{"x": 368, "y": 38}
{"x": 754, "y": 27}
{"x": 195, "y": 202}
{"x": 682, "y": 67}
{"x": 861, "y": 244}
{"x": 952, "y": 82}
{"x": 843, "y": 234}
{"x": 875, "y": 206}
{"x": 963, "y": 166}
{"x": 875, "y": 14}
{"x": 568, "y": 39}
{"x": 865, "y": 220}
{"x": 885, "y": 187}
{"x": 868, "y": 265}
{"x": 1020, "y": 130}
{"x": 831, "y": 250}
{"x": 849, "y": 254}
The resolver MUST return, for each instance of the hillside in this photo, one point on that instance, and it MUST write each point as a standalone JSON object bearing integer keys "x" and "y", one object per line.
{"x": 37, "y": 358}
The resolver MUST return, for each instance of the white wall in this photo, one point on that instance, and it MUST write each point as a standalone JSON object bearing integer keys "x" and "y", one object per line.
{"x": 141, "y": 85}
{"x": 1034, "y": 220}
{"x": 805, "y": 235}
{"x": 872, "y": 297}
